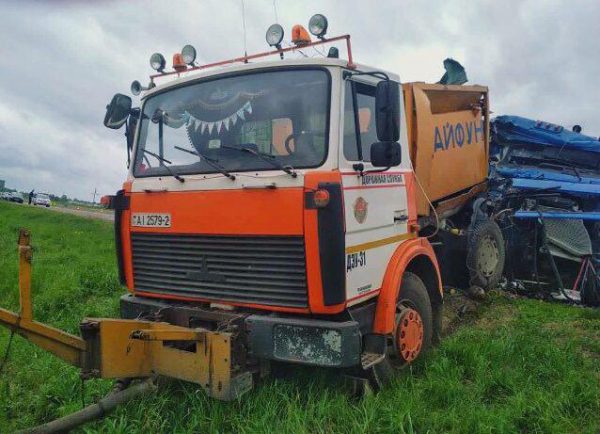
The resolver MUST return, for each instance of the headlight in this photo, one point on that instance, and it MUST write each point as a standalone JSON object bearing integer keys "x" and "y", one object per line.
{"x": 157, "y": 62}
{"x": 318, "y": 25}
{"x": 136, "y": 87}
{"x": 189, "y": 54}
{"x": 274, "y": 35}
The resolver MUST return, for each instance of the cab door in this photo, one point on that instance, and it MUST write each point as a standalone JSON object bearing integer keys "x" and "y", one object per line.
{"x": 375, "y": 201}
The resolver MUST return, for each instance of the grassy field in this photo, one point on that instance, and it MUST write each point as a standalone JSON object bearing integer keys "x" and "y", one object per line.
{"x": 515, "y": 366}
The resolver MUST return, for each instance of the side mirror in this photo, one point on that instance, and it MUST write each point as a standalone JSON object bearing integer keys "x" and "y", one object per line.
{"x": 387, "y": 111}
{"x": 385, "y": 154}
{"x": 117, "y": 111}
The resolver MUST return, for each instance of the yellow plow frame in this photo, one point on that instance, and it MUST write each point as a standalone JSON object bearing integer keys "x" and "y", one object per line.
{"x": 118, "y": 348}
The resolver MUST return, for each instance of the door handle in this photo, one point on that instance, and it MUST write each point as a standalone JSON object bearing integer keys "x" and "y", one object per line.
{"x": 400, "y": 216}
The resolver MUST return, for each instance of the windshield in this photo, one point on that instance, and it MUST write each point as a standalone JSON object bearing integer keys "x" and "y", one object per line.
{"x": 258, "y": 121}
{"x": 41, "y": 196}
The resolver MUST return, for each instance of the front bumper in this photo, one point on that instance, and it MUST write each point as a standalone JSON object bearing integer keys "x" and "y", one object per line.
{"x": 294, "y": 339}
{"x": 304, "y": 340}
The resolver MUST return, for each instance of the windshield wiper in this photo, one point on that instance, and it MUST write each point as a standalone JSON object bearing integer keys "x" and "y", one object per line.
{"x": 209, "y": 161}
{"x": 268, "y": 158}
{"x": 164, "y": 160}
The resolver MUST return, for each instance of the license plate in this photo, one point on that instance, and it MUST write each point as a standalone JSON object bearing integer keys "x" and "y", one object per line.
{"x": 151, "y": 220}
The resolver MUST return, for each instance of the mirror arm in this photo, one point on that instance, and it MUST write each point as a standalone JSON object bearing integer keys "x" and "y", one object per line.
{"x": 161, "y": 146}
{"x": 127, "y": 139}
{"x": 385, "y": 169}
{"x": 356, "y": 121}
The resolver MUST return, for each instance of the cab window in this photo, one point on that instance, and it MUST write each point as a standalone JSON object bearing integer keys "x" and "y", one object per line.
{"x": 367, "y": 134}
{"x": 281, "y": 114}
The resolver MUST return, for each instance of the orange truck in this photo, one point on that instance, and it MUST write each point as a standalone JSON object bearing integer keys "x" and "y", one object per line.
{"x": 291, "y": 206}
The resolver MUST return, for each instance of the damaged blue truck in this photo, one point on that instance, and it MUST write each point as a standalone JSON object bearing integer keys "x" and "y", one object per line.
{"x": 544, "y": 189}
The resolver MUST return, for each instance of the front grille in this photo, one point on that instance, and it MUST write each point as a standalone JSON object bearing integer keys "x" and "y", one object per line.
{"x": 265, "y": 270}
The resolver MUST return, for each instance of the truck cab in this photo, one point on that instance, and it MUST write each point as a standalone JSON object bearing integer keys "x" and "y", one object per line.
{"x": 278, "y": 197}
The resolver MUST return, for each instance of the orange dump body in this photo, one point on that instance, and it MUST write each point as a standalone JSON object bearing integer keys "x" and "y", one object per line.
{"x": 448, "y": 133}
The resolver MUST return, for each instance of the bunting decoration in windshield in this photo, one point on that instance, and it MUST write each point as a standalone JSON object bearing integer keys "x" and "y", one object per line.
{"x": 202, "y": 126}
{"x": 219, "y": 113}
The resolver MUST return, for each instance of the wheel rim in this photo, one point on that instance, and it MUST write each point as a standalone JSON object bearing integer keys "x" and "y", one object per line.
{"x": 488, "y": 256}
{"x": 408, "y": 334}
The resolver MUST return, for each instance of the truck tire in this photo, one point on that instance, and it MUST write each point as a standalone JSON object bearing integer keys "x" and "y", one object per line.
{"x": 412, "y": 334}
{"x": 485, "y": 255}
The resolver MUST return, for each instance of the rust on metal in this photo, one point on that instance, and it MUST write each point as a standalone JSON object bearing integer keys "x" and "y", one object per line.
{"x": 25, "y": 258}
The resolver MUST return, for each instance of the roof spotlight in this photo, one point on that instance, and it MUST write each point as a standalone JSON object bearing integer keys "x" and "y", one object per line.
{"x": 157, "y": 62}
{"x": 189, "y": 54}
{"x": 274, "y": 36}
{"x": 318, "y": 25}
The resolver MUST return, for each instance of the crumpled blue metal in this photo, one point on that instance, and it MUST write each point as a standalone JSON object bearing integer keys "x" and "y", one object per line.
{"x": 515, "y": 129}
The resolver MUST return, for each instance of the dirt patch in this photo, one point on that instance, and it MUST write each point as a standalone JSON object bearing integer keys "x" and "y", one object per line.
{"x": 93, "y": 214}
{"x": 461, "y": 309}
{"x": 458, "y": 310}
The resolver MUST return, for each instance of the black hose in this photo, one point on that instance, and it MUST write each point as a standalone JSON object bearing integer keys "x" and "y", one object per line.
{"x": 6, "y": 352}
{"x": 94, "y": 411}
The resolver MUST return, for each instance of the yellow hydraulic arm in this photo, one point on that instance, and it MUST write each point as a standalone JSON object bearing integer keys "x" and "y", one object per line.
{"x": 120, "y": 348}
{"x": 64, "y": 345}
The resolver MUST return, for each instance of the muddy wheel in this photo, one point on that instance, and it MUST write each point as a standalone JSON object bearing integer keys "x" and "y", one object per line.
{"x": 485, "y": 255}
{"x": 412, "y": 333}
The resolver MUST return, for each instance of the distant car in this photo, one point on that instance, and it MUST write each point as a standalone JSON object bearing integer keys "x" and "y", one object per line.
{"x": 4, "y": 195}
{"x": 41, "y": 199}
{"x": 15, "y": 197}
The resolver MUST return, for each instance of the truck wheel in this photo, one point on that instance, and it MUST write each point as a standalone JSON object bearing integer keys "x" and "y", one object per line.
{"x": 411, "y": 337}
{"x": 485, "y": 255}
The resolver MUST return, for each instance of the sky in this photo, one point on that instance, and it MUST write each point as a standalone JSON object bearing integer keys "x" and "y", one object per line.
{"x": 61, "y": 61}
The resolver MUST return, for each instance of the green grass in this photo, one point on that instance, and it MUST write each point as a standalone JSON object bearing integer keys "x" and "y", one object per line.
{"x": 518, "y": 366}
